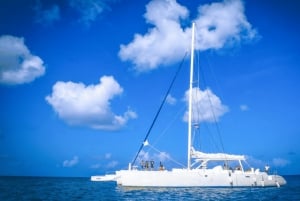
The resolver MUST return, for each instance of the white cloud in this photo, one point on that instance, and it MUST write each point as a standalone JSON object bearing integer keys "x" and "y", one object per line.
{"x": 107, "y": 156}
{"x": 276, "y": 162}
{"x": 255, "y": 162}
{"x": 147, "y": 156}
{"x": 17, "y": 64}
{"x": 162, "y": 156}
{"x": 164, "y": 43}
{"x": 244, "y": 107}
{"x": 95, "y": 166}
{"x": 218, "y": 24}
{"x": 206, "y": 106}
{"x": 280, "y": 162}
{"x": 72, "y": 162}
{"x": 46, "y": 16}
{"x": 144, "y": 155}
{"x": 79, "y": 104}
{"x": 171, "y": 100}
{"x": 112, "y": 164}
{"x": 89, "y": 9}
{"x": 105, "y": 162}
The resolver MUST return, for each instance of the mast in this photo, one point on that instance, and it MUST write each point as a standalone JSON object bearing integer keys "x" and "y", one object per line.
{"x": 190, "y": 99}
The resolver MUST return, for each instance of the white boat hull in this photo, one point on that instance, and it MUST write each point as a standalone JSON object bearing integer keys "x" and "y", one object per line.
{"x": 197, "y": 177}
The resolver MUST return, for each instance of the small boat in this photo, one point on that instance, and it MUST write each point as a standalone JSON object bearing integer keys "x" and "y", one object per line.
{"x": 107, "y": 177}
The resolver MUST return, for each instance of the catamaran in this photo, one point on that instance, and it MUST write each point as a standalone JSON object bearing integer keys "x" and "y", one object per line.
{"x": 197, "y": 173}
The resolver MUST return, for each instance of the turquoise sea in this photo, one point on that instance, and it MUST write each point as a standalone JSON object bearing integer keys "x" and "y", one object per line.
{"x": 60, "y": 188}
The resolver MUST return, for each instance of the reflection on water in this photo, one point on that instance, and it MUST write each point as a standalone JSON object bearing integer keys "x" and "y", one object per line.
{"x": 48, "y": 189}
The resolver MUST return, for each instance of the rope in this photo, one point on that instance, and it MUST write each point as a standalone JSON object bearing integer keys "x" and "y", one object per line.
{"x": 159, "y": 109}
{"x": 169, "y": 157}
{"x": 213, "y": 112}
{"x": 169, "y": 125}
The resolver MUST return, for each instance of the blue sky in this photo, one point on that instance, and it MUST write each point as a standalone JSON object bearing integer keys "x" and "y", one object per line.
{"x": 81, "y": 81}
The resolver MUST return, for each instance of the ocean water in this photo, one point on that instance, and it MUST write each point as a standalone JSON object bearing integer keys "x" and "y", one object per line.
{"x": 50, "y": 188}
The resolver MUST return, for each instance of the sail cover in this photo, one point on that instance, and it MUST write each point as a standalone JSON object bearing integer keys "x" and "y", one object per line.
{"x": 215, "y": 156}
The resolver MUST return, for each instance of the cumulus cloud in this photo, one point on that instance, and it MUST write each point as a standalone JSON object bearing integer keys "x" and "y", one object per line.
{"x": 280, "y": 162}
{"x": 79, "y": 104}
{"x": 46, "y": 16}
{"x": 163, "y": 43}
{"x": 89, "y": 10}
{"x": 256, "y": 162}
{"x": 143, "y": 155}
{"x": 244, "y": 107}
{"x": 112, "y": 164}
{"x": 105, "y": 162}
{"x": 17, "y": 64}
{"x": 72, "y": 162}
{"x": 147, "y": 156}
{"x": 95, "y": 166}
{"x": 217, "y": 25}
{"x": 107, "y": 156}
{"x": 162, "y": 156}
{"x": 223, "y": 23}
{"x": 206, "y": 106}
{"x": 171, "y": 100}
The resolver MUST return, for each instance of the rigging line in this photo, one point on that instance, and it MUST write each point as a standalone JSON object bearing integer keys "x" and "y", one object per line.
{"x": 214, "y": 76}
{"x": 169, "y": 125}
{"x": 197, "y": 109}
{"x": 198, "y": 140}
{"x": 217, "y": 125}
{"x": 169, "y": 157}
{"x": 214, "y": 115}
{"x": 205, "y": 125}
{"x": 160, "y": 107}
{"x": 210, "y": 133}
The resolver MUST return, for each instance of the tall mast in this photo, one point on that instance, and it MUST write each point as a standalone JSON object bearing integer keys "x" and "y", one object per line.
{"x": 190, "y": 99}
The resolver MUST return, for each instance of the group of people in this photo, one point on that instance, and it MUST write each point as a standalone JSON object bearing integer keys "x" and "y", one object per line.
{"x": 227, "y": 167}
{"x": 149, "y": 165}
